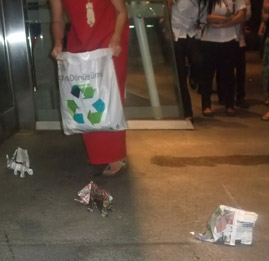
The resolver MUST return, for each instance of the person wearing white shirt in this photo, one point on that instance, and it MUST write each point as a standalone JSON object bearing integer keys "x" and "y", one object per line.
{"x": 188, "y": 18}
{"x": 220, "y": 42}
{"x": 240, "y": 65}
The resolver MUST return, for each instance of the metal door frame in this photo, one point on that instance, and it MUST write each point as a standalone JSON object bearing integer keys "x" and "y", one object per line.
{"x": 8, "y": 118}
{"x": 19, "y": 68}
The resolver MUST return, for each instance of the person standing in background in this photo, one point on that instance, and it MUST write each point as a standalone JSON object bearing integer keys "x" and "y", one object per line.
{"x": 220, "y": 44}
{"x": 97, "y": 24}
{"x": 240, "y": 65}
{"x": 187, "y": 21}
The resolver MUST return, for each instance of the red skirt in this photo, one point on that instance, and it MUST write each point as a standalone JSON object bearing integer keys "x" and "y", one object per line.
{"x": 106, "y": 147}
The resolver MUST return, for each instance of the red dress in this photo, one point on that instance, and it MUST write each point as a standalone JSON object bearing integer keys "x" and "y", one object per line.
{"x": 102, "y": 147}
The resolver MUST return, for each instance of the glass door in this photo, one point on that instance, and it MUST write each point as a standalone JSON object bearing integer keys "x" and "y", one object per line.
{"x": 152, "y": 84}
{"x": 44, "y": 70}
{"x": 8, "y": 118}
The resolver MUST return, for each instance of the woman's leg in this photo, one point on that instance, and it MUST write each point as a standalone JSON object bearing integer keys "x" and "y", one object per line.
{"x": 180, "y": 53}
{"x": 240, "y": 75}
{"x": 209, "y": 65}
{"x": 265, "y": 69}
{"x": 226, "y": 65}
{"x": 109, "y": 147}
{"x": 195, "y": 56}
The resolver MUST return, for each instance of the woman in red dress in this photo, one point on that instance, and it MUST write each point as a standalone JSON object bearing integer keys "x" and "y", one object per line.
{"x": 97, "y": 24}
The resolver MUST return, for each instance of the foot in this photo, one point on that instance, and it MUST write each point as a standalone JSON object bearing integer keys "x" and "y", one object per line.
{"x": 207, "y": 112}
{"x": 265, "y": 117}
{"x": 242, "y": 104}
{"x": 230, "y": 112}
{"x": 115, "y": 168}
{"x": 189, "y": 118}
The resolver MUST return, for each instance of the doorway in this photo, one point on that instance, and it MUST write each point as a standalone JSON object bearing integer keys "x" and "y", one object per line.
{"x": 151, "y": 86}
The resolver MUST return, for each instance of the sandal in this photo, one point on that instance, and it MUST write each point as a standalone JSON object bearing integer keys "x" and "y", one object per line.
{"x": 111, "y": 172}
{"x": 265, "y": 117}
{"x": 207, "y": 112}
{"x": 189, "y": 118}
{"x": 230, "y": 112}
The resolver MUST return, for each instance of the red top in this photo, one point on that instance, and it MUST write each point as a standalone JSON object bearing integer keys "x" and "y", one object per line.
{"x": 81, "y": 36}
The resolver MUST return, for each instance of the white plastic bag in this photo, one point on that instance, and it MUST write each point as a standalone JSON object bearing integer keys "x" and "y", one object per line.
{"x": 90, "y": 98}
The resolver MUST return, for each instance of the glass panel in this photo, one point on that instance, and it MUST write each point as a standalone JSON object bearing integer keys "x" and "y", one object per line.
{"x": 6, "y": 100}
{"x": 151, "y": 80}
{"x": 44, "y": 67}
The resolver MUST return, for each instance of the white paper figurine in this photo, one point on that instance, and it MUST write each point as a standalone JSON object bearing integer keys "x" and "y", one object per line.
{"x": 20, "y": 162}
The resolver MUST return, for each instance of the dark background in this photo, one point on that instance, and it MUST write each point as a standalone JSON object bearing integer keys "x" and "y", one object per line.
{"x": 252, "y": 38}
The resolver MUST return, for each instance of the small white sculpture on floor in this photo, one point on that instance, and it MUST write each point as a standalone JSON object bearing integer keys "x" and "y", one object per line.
{"x": 20, "y": 162}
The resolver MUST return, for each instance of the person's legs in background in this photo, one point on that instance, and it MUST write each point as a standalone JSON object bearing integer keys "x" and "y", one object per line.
{"x": 240, "y": 78}
{"x": 195, "y": 57}
{"x": 219, "y": 88}
{"x": 266, "y": 71}
{"x": 192, "y": 81}
{"x": 210, "y": 52}
{"x": 180, "y": 53}
{"x": 225, "y": 65}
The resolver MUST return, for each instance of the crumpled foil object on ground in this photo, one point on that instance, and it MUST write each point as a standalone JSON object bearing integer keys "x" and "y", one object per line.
{"x": 94, "y": 197}
{"x": 20, "y": 162}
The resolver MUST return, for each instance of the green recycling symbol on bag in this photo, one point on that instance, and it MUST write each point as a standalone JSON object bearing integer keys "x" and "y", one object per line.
{"x": 88, "y": 92}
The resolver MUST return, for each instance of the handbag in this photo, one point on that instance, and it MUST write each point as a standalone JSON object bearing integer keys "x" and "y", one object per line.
{"x": 89, "y": 93}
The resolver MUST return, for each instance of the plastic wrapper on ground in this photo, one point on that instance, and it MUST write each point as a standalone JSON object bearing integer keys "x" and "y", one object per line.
{"x": 94, "y": 197}
{"x": 230, "y": 226}
{"x": 20, "y": 162}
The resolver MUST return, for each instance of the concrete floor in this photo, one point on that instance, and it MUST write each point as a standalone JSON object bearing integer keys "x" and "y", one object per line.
{"x": 175, "y": 180}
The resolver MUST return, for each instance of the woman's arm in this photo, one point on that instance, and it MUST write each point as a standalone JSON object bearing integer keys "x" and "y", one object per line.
{"x": 266, "y": 6}
{"x": 262, "y": 29}
{"x": 58, "y": 25}
{"x": 248, "y": 10}
{"x": 265, "y": 11}
{"x": 265, "y": 17}
{"x": 217, "y": 19}
{"x": 238, "y": 18}
{"x": 121, "y": 19}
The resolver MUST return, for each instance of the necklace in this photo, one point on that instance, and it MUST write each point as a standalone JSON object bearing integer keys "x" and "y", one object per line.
{"x": 90, "y": 14}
